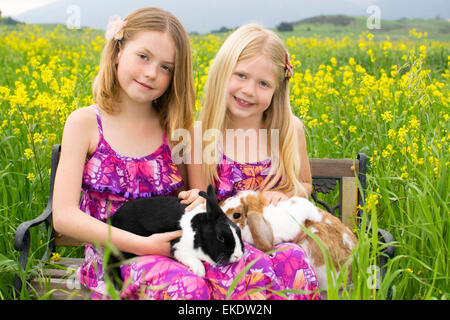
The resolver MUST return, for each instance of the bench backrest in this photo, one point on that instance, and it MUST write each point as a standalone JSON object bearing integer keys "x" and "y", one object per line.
{"x": 326, "y": 173}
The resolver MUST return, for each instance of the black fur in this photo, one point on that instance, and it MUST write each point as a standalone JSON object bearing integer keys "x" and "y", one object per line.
{"x": 147, "y": 216}
{"x": 214, "y": 225}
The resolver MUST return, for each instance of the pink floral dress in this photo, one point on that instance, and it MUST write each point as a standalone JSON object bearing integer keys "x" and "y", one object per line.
{"x": 111, "y": 179}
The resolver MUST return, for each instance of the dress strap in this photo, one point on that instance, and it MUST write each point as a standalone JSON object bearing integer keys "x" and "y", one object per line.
{"x": 99, "y": 121}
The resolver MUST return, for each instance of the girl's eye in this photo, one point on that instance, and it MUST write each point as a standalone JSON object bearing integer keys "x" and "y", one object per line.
{"x": 264, "y": 84}
{"x": 142, "y": 56}
{"x": 166, "y": 68}
{"x": 240, "y": 75}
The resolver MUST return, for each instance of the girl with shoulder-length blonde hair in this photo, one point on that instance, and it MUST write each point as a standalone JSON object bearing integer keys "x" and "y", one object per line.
{"x": 245, "y": 112}
{"x": 289, "y": 172}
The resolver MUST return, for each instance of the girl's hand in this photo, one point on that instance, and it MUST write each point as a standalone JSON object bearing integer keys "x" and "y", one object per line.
{"x": 191, "y": 198}
{"x": 159, "y": 243}
{"x": 273, "y": 197}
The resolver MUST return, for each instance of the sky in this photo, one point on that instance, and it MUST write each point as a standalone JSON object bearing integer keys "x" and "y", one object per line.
{"x": 206, "y": 15}
{"x": 14, "y": 7}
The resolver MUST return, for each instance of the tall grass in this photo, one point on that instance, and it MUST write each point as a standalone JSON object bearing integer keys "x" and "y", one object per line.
{"x": 386, "y": 98}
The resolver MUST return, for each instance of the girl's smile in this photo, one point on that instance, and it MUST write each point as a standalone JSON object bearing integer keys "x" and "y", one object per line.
{"x": 144, "y": 85}
{"x": 243, "y": 103}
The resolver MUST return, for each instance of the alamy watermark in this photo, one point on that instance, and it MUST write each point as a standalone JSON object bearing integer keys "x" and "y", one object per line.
{"x": 74, "y": 17}
{"x": 206, "y": 147}
{"x": 374, "y": 20}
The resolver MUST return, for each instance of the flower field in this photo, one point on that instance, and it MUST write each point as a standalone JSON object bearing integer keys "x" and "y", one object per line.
{"x": 386, "y": 98}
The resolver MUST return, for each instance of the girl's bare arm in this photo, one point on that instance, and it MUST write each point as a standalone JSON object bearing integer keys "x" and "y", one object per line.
{"x": 68, "y": 219}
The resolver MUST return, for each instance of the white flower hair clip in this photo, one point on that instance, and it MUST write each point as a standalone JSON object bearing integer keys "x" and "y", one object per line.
{"x": 114, "y": 29}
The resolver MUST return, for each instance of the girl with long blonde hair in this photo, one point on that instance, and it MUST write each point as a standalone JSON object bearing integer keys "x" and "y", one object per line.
{"x": 251, "y": 139}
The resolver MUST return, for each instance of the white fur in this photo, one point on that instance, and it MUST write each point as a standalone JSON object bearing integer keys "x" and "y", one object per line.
{"x": 185, "y": 252}
{"x": 237, "y": 253}
{"x": 346, "y": 240}
{"x": 235, "y": 201}
{"x": 284, "y": 218}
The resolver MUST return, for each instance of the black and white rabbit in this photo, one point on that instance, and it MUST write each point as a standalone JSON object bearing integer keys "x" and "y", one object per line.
{"x": 207, "y": 235}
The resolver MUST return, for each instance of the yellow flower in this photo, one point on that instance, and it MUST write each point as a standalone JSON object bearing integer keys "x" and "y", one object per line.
{"x": 333, "y": 61}
{"x": 28, "y": 154}
{"x": 414, "y": 123}
{"x": 387, "y": 116}
{"x": 46, "y": 74}
{"x": 352, "y": 129}
{"x": 387, "y": 45}
{"x": 404, "y": 174}
{"x": 55, "y": 257}
{"x": 372, "y": 201}
{"x": 37, "y": 138}
{"x": 31, "y": 177}
{"x": 20, "y": 96}
{"x": 391, "y": 133}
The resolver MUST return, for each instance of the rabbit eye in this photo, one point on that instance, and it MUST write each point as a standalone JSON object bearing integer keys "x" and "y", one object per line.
{"x": 220, "y": 238}
{"x": 236, "y": 215}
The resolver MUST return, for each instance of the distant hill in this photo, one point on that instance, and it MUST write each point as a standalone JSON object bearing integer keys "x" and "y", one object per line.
{"x": 206, "y": 15}
{"x": 338, "y": 20}
{"x": 8, "y": 21}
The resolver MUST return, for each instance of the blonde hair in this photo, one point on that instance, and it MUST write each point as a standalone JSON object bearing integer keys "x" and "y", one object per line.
{"x": 176, "y": 105}
{"x": 247, "y": 42}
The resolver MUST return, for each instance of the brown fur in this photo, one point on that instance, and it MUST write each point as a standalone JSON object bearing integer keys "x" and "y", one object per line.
{"x": 331, "y": 232}
{"x": 260, "y": 229}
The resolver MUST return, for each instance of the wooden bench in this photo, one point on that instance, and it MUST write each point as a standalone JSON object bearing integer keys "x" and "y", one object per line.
{"x": 60, "y": 276}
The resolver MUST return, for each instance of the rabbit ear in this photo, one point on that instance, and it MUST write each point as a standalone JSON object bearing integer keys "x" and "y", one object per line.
{"x": 212, "y": 204}
{"x": 261, "y": 231}
{"x": 210, "y": 191}
{"x": 203, "y": 194}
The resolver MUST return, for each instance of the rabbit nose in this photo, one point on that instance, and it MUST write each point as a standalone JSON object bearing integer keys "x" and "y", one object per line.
{"x": 236, "y": 257}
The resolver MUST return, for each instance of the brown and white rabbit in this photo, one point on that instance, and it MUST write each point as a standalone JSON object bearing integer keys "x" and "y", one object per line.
{"x": 267, "y": 225}
{"x": 207, "y": 233}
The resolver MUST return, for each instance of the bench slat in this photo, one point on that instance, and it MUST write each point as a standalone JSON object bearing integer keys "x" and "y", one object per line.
{"x": 334, "y": 167}
{"x": 349, "y": 201}
{"x": 65, "y": 241}
{"x": 64, "y": 281}
{"x": 74, "y": 290}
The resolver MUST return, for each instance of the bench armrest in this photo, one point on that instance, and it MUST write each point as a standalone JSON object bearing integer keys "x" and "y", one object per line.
{"x": 22, "y": 231}
{"x": 22, "y": 237}
{"x": 388, "y": 252}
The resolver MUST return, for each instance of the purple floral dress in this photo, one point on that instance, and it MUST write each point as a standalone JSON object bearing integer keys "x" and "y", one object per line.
{"x": 291, "y": 264}
{"x": 111, "y": 179}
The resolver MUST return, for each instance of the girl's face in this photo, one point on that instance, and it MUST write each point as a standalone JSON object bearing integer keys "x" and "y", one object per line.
{"x": 145, "y": 66}
{"x": 251, "y": 88}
